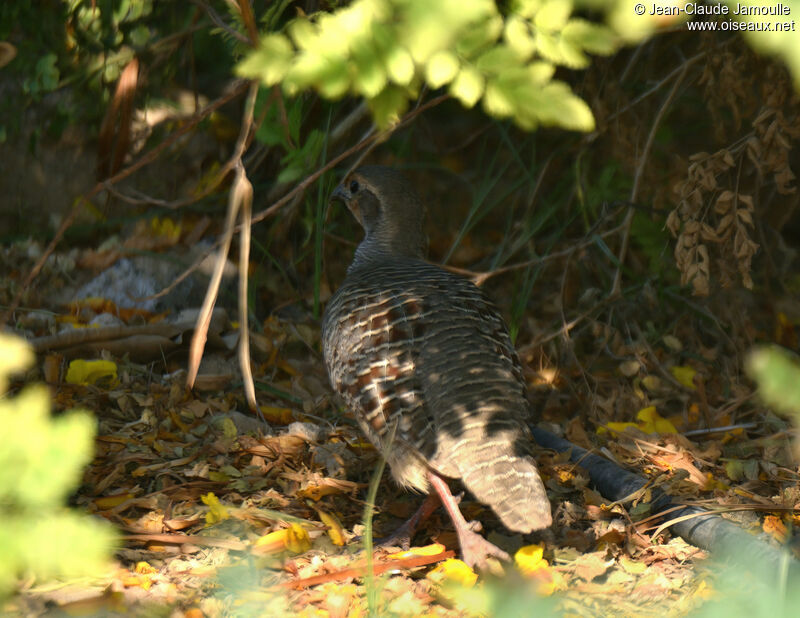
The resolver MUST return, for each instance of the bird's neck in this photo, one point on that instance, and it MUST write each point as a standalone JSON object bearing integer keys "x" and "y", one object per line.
{"x": 374, "y": 249}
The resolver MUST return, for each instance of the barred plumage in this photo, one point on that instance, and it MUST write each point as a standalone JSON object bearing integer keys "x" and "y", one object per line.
{"x": 425, "y": 362}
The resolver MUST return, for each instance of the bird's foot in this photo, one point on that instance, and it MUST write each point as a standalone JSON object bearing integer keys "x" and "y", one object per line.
{"x": 475, "y": 549}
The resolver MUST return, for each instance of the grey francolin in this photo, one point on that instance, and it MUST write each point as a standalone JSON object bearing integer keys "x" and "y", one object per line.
{"x": 425, "y": 362}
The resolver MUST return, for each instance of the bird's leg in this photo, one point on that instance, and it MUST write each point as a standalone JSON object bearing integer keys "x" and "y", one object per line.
{"x": 403, "y": 535}
{"x": 474, "y": 548}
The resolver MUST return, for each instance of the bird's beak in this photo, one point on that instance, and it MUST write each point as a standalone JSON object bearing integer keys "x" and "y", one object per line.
{"x": 340, "y": 194}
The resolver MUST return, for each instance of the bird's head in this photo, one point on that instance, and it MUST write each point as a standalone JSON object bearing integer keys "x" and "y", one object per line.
{"x": 389, "y": 209}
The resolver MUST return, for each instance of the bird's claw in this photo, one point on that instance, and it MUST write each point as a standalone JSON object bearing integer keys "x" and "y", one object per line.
{"x": 475, "y": 525}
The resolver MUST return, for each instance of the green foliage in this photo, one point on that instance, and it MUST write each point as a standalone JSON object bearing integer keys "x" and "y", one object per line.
{"x": 509, "y": 597}
{"x": 40, "y": 463}
{"x": 773, "y": 34}
{"x": 742, "y": 590}
{"x": 387, "y": 50}
{"x": 45, "y": 76}
{"x": 767, "y": 34}
{"x": 777, "y": 372}
{"x": 648, "y": 234}
{"x": 86, "y": 44}
{"x": 302, "y": 152}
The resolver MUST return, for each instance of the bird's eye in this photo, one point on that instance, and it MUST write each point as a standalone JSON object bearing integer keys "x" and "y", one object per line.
{"x": 354, "y": 186}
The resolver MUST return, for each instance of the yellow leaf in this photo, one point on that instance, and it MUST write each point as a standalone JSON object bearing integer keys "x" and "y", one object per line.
{"x": 427, "y": 550}
{"x": 664, "y": 425}
{"x": 454, "y": 571}
{"x": 335, "y": 530}
{"x": 363, "y": 445}
{"x": 530, "y": 562}
{"x": 566, "y": 476}
{"x": 297, "y": 540}
{"x": 652, "y": 422}
{"x": 294, "y": 539}
{"x": 616, "y": 427}
{"x": 704, "y": 591}
{"x": 109, "y": 502}
{"x": 144, "y": 568}
{"x": 633, "y": 567}
{"x": 89, "y": 372}
{"x": 647, "y": 417}
{"x": 776, "y": 528}
{"x": 216, "y": 511}
{"x": 277, "y": 416}
{"x": 166, "y": 227}
{"x": 529, "y": 559}
{"x": 684, "y": 375}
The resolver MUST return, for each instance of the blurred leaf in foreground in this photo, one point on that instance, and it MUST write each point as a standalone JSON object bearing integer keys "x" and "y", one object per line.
{"x": 41, "y": 460}
{"x": 777, "y": 373}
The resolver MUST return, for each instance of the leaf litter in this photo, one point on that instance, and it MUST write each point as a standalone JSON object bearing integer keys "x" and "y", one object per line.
{"x": 198, "y": 488}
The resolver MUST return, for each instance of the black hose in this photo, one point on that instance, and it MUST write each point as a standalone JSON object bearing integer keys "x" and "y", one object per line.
{"x": 706, "y": 530}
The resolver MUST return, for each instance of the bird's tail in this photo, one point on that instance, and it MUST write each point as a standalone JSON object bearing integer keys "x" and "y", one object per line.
{"x": 511, "y": 486}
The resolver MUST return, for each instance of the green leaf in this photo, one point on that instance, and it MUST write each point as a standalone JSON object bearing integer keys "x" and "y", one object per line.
{"x": 547, "y": 46}
{"x": 467, "y": 87}
{"x": 140, "y": 35}
{"x": 441, "y": 69}
{"x": 571, "y": 54}
{"x": 479, "y": 36}
{"x": 518, "y": 36}
{"x": 516, "y": 92}
{"x": 336, "y": 33}
{"x": 400, "y": 66}
{"x": 296, "y": 163}
{"x": 498, "y": 100}
{"x": 388, "y": 106}
{"x": 540, "y": 72}
{"x": 270, "y": 62}
{"x": 525, "y": 8}
{"x": 777, "y": 373}
{"x": 41, "y": 461}
{"x": 49, "y": 545}
{"x": 47, "y": 74}
{"x": 553, "y": 15}
{"x": 367, "y": 69}
{"x": 328, "y": 74}
{"x": 398, "y": 62}
{"x": 303, "y": 33}
{"x": 497, "y": 59}
{"x": 15, "y": 355}
{"x": 41, "y": 472}
{"x": 429, "y": 27}
{"x": 557, "y": 105}
{"x": 594, "y": 38}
